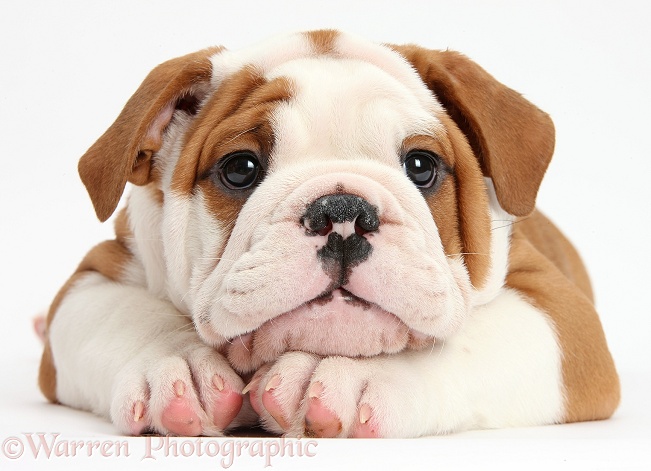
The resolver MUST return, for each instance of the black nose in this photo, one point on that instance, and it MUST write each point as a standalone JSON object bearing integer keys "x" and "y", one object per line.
{"x": 342, "y": 251}
{"x": 322, "y": 213}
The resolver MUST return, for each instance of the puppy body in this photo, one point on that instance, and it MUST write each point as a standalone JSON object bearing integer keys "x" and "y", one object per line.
{"x": 384, "y": 274}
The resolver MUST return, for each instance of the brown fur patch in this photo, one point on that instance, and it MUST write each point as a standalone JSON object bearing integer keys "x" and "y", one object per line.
{"x": 124, "y": 151}
{"x": 551, "y": 242}
{"x": 459, "y": 206}
{"x": 122, "y": 227}
{"x": 512, "y": 139}
{"x": 323, "y": 41}
{"x": 47, "y": 374}
{"x": 109, "y": 259}
{"x": 224, "y": 103}
{"x": 443, "y": 202}
{"x": 590, "y": 380}
{"x": 236, "y": 118}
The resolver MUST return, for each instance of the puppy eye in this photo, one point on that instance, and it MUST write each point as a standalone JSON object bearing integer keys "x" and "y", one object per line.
{"x": 421, "y": 167}
{"x": 240, "y": 170}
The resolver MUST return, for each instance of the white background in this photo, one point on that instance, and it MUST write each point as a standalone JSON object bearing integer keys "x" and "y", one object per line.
{"x": 66, "y": 69}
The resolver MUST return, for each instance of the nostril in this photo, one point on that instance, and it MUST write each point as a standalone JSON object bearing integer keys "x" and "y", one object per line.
{"x": 319, "y": 224}
{"x": 359, "y": 230}
{"x": 328, "y": 212}
{"x": 326, "y": 229}
{"x": 367, "y": 221}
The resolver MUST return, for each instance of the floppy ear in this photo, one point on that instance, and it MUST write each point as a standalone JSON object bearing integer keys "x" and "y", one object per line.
{"x": 124, "y": 152}
{"x": 513, "y": 140}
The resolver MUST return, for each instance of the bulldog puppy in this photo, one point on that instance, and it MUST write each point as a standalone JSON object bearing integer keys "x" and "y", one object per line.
{"x": 346, "y": 228}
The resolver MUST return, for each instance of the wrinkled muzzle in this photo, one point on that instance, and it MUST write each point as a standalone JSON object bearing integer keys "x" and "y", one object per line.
{"x": 346, "y": 263}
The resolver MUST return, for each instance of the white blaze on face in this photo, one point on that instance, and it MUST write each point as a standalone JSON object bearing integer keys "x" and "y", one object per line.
{"x": 341, "y": 132}
{"x": 345, "y": 109}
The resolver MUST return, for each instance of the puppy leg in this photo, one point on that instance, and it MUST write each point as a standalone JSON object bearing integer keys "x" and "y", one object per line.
{"x": 503, "y": 369}
{"x": 125, "y": 354}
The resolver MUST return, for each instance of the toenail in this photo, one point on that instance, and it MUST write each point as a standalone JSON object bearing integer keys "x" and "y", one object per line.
{"x": 364, "y": 413}
{"x": 316, "y": 389}
{"x": 179, "y": 388}
{"x": 248, "y": 387}
{"x": 218, "y": 382}
{"x": 138, "y": 411}
{"x": 273, "y": 383}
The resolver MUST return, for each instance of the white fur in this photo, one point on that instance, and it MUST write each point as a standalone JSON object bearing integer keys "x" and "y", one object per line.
{"x": 347, "y": 109}
{"x": 145, "y": 219}
{"x": 501, "y": 225}
{"x": 263, "y": 56}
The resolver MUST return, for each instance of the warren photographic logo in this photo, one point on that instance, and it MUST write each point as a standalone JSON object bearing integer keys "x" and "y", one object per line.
{"x": 226, "y": 451}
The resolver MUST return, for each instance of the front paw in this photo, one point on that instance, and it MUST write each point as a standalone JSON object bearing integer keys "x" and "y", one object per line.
{"x": 304, "y": 394}
{"x": 194, "y": 392}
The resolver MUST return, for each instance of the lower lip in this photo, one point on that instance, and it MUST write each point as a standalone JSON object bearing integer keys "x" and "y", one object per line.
{"x": 336, "y": 324}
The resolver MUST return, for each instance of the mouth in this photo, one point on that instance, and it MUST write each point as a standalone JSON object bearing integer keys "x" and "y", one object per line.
{"x": 336, "y": 323}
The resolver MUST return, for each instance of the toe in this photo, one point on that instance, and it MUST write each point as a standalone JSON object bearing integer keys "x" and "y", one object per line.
{"x": 137, "y": 423}
{"x": 319, "y": 420}
{"x": 365, "y": 427}
{"x": 179, "y": 417}
{"x": 271, "y": 403}
{"x": 227, "y": 403}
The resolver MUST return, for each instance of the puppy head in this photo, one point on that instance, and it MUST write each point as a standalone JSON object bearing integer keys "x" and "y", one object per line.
{"x": 321, "y": 193}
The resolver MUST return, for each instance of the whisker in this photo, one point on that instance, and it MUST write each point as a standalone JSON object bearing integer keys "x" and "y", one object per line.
{"x": 241, "y": 134}
{"x": 218, "y": 259}
{"x": 466, "y": 253}
{"x": 503, "y": 226}
{"x": 440, "y": 350}
{"x": 157, "y": 239}
{"x": 243, "y": 344}
{"x": 510, "y": 222}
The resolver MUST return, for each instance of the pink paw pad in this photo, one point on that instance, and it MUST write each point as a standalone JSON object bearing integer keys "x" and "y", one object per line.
{"x": 272, "y": 405}
{"x": 319, "y": 420}
{"x": 226, "y": 404}
{"x": 365, "y": 427}
{"x": 179, "y": 416}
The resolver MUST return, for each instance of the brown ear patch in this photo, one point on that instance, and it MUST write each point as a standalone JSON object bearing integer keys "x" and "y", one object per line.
{"x": 512, "y": 139}
{"x": 125, "y": 150}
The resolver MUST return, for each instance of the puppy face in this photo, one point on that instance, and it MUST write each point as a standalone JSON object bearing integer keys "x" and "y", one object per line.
{"x": 313, "y": 194}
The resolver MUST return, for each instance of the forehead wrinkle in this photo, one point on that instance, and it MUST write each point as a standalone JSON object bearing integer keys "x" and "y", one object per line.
{"x": 245, "y": 126}
{"x": 251, "y": 114}
{"x": 239, "y": 105}
{"x": 347, "y": 108}
{"x": 270, "y": 91}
